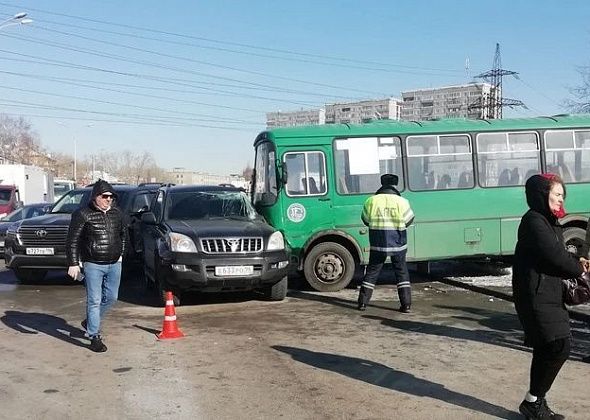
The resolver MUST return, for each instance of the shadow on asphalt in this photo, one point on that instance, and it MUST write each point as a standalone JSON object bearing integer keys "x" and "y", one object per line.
{"x": 35, "y": 323}
{"x": 397, "y": 380}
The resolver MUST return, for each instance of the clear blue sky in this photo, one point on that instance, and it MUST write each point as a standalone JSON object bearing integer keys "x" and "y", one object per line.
{"x": 191, "y": 81}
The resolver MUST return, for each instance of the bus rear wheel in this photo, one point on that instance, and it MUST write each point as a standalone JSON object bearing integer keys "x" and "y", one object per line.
{"x": 574, "y": 238}
{"x": 329, "y": 267}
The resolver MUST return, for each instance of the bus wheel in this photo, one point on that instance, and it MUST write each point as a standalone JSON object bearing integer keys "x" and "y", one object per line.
{"x": 329, "y": 267}
{"x": 574, "y": 238}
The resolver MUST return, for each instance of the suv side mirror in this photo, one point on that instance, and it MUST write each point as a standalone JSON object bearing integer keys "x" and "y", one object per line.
{"x": 148, "y": 218}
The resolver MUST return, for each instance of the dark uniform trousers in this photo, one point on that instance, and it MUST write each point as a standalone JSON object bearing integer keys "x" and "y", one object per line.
{"x": 400, "y": 271}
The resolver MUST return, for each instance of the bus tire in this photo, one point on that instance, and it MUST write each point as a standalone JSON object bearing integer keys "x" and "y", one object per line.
{"x": 329, "y": 267}
{"x": 574, "y": 238}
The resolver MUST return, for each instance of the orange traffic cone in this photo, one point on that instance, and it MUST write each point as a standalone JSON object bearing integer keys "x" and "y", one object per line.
{"x": 170, "y": 329}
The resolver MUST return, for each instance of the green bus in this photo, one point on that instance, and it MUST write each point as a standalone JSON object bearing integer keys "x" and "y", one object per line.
{"x": 464, "y": 180}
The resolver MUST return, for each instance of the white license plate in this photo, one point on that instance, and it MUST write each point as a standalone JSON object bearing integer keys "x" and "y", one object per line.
{"x": 40, "y": 251}
{"x": 1, "y": 243}
{"x": 234, "y": 270}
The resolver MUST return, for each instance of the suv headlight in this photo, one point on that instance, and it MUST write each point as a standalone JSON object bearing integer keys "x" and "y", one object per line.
{"x": 181, "y": 243}
{"x": 276, "y": 242}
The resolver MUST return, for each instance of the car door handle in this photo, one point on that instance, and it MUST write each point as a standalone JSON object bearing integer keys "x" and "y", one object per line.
{"x": 323, "y": 199}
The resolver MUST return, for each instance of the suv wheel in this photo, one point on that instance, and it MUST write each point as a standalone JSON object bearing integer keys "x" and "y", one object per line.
{"x": 277, "y": 291}
{"x": 29, "y": 275}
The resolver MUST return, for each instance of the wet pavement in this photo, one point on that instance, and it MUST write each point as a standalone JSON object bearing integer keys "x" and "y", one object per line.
{"x": 458, "y": 355}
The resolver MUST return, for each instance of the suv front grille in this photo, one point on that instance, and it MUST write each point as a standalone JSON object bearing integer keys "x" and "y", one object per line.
{"x": 43, "y": 236}
{"x": 231, "y": 245}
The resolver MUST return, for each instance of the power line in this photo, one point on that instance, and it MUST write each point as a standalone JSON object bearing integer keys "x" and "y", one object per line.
{"x": 82, "y": 98}
{"x": 166, "y": 80}
{"x": 148, "y": 120}
{"x": 237, "y": 44}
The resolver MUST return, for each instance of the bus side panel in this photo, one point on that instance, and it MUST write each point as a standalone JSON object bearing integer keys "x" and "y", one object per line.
{"x": 509, "y": 234}
{"x": 439, "y": 240}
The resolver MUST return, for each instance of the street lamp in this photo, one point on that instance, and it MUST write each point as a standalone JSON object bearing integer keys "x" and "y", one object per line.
{"x": 75, "y": 140}
{"x": 18, "y": 19}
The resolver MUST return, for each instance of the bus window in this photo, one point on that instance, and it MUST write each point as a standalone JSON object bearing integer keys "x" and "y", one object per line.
{"x": 568, "y": 154}
{"x": 265, "y": 188}
{"x": 439, "y": 162}
{"x": 306, "y": 173}
{"x": 506, "y": 159}
{"x": 361, "y": 161}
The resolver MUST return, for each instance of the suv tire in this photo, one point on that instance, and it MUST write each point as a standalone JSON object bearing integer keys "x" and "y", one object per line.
{"x": 277, "y": 291}
{"x": 29, "y": 275}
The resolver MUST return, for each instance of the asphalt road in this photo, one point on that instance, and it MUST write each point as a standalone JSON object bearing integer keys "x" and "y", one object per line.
{"x": 312, "y": 356}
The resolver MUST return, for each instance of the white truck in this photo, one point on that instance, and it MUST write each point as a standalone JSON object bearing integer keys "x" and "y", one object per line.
{"x": 30, "y": 183}
{"x": 61, "y": 187}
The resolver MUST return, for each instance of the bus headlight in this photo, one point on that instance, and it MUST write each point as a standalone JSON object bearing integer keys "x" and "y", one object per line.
{"x": 276, "y": 242}
{"x": 181, "y": 243}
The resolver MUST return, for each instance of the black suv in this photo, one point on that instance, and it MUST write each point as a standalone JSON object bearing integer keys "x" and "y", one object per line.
{"x": 33, "y": 246}
{"x": 210, "y": 239}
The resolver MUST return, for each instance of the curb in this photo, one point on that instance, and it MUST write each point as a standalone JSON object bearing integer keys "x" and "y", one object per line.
{"x": 574, "y": 314}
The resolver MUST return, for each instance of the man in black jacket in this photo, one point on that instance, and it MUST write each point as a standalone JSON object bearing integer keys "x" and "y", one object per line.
{"x": 97, "y": 240}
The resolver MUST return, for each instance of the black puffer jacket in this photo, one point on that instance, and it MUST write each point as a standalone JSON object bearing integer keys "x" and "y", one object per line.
{"x": 541, "y": 262}
{"x": 94, "y": 235}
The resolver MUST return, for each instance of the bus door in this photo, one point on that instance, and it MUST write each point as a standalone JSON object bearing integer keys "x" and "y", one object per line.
{"x": 306, "y": 204}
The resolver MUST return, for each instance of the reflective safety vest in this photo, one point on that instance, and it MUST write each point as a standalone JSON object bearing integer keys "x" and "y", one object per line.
{"x": 388, "y": 216}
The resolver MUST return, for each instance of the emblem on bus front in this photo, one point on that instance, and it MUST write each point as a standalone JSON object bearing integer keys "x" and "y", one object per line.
{"x": 296, "y": 212}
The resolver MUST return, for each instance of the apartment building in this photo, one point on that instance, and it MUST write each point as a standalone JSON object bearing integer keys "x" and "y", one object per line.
{"x": 461, "y": 101}
{"x": 363, "y": 111}
{"x": 183, "y": 176}
{"x": 295, "y": 118}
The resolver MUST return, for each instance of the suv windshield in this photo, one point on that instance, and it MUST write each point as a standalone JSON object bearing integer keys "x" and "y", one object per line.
{"x": 70, "y": 201}
{"x": 73, "y": 199}
{"x": 207, "y": 204}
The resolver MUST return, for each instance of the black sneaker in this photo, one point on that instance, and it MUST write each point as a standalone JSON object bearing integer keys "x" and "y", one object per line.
{"x": 552, "y": 415}
{"x": 362, "y": 307}
{"x": 405, "y": 309}
{"x": 96, "y": 345}
{"x": 535, "y": 410}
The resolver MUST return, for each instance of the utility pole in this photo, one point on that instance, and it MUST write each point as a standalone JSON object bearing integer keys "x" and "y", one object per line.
{"x": 493, "y": 104}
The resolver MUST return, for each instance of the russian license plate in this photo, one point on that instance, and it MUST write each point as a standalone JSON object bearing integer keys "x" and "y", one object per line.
{"x": 40, "y": 251}
{"x": 234, "y": 270}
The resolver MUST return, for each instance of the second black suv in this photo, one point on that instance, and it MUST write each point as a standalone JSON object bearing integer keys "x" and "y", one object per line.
{"x": 210, "y": 238}
{"x": 33, "y": 246}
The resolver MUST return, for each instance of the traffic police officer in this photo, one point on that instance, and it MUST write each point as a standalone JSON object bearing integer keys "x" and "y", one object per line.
{"x": 387, "y": 214}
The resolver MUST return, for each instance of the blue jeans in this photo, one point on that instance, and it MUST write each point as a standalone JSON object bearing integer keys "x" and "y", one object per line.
{"x": 102, "y": 289}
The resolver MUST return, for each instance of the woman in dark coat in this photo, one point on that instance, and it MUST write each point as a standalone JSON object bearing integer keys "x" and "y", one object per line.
{"x": 541, "y": 262}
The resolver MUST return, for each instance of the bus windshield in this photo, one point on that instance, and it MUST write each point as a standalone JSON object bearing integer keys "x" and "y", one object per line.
{"x": 265, "y": 189}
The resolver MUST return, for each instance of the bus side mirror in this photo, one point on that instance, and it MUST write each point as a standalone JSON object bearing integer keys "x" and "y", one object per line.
{"x": 284, "y": 173}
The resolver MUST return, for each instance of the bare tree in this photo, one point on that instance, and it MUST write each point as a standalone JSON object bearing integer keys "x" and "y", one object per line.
{"x": 18, "y": 142}
{"x": 581, "y": 103}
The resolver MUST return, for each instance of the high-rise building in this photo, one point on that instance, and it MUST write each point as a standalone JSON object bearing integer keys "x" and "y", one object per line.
{"x": 447, "y": 102}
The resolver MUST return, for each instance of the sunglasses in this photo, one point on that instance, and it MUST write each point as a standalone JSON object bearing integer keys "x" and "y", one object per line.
{"x": 105, "y": 196}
